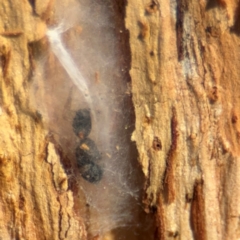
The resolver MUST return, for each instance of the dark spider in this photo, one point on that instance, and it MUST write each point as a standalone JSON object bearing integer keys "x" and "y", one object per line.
{"x": 82, "y": 123}
{"x": 87, "y": 152}
{"x": 91, "y": 172}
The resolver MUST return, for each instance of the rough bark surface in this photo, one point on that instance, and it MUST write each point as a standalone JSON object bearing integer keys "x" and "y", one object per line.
{"x": 36, "y": 202}
{"x": 185, "y": 88}
{"x": 185, "y": 85}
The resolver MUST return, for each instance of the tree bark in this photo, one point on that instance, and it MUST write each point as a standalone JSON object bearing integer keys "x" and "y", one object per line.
{"x": 183, "y": 60}
{"x": 185, "y": 87}
{"x": 36, "y": 202}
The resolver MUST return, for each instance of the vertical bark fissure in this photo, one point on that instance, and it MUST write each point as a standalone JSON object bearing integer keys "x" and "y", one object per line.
{"x": 197, "y": 214}
{"x": 179, "y": 28}
{"x": 169, "y": 179}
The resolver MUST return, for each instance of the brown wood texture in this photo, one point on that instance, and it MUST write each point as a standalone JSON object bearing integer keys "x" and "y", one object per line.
{"x": 35, "y": 200}
{"x": 185, "y": 90}
{"x": 185, "y": 86}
